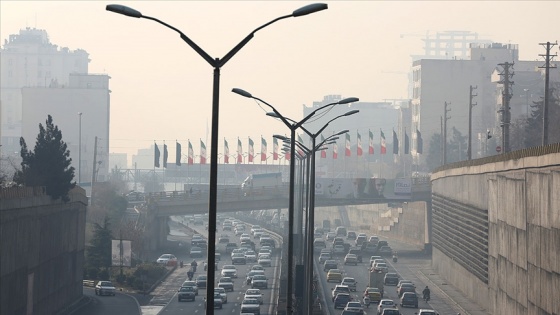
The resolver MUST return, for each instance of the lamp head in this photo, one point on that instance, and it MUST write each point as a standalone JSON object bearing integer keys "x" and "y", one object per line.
{"x": 348, "y": 100}
{"x": 342, "y": 132}
{"x": 352, "y": 112}
{"x": 124, "y": 10}
{"x": 272, "y": 114}
{"x": 242, "y": 92}
{"x": 310, "y": 8}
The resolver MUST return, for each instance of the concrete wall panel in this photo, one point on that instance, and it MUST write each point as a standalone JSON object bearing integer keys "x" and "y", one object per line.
{"x": 554, "y": 217}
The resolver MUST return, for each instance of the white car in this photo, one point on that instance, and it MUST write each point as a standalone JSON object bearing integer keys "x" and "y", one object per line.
{"x": 191, "y": 283}
{"x": 264, "y": 252}
{"x": 354, "y": 307}
{"x": 338, "y": 250}
{"x": 254, "y": 294}
{"x": 255, "y": 227}
{"x": 104, "y": 288}
{"x": 167, "y": 259}
{"x": 257, "y": 267}
{"x": 381, "y": 267}
{"x": 244, "y": 236}
{"x": 251, "y": 306}
{"x": 350, "y": 282}
{"x": 229, "y": 271}
{"x": 385, "y": 303}
{"x": 222, "y": 293}
{"x": 265, "y": 260}
{"x": 250, "y": 256}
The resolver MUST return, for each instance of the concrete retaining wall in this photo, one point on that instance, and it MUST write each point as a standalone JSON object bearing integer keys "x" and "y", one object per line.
{"x": 42, "y": 254}
{"x": 522, "y": 200}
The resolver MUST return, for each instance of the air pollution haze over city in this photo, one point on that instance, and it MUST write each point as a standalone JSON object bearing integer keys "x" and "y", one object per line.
{"x": 161, "y": 89}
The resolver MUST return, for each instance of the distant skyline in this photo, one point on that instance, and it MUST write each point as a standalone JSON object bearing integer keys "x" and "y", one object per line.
{"x": 161, "y": 88}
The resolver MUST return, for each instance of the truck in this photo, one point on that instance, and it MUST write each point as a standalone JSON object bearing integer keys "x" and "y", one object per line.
{"x": 326, "y": 225}
{"x": 261, "y": 184}
{"x": 376, "y": 280}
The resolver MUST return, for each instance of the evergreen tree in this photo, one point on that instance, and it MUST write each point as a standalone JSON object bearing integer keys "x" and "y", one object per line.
{"x": 49, "y": 164}
{"x": 457, "y": 147}
{"x": 433, "y": 159}
{"x": 533, "y": 126}
{"x": 99, "y": 251}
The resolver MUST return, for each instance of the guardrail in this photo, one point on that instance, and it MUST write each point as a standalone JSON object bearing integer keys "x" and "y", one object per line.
{"x": 89, "y": 283}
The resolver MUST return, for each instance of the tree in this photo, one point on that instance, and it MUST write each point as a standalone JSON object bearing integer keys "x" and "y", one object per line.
{"x": 49, "y": 164}
{"x": 99, "y": 251}
{"x": 433, "y": 159}
{"x": 457, "y": 147}
{"x": 533, "y": 126}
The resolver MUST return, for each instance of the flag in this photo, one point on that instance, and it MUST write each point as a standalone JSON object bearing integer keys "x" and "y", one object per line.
{"x": 406, "y": 143}
{"x": 299, "y": 150}
{"x": 156, "y": 155}
{"x": 177, "y": 154}
{"x": 190, "y": 154}
{"x": 370, "y": 142}
{"x": 263, "y": 149}
{"x": 347, "y": 151}
{"x": 395, "y": 143}
{"x": 359, "y": 139}
{"x": 419, "y": 142}
{"x": 226, "y": 152}
{"x": 383, "y": 144}
{"x": 274, "y": 149}
{"x": 335, "y": 151}
{"x": 324, "y": 148}
{"x": 288, "y": 154}
{"x": 239, "y": 152}
{"x": 165, "y": 155}
{"x": 251, "y": 150}
{"x": 202, "y": 152}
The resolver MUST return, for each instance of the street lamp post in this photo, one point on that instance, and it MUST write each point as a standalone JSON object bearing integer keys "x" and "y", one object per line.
{"x": 292, "y": 126}
{"x": 216, "y": 63}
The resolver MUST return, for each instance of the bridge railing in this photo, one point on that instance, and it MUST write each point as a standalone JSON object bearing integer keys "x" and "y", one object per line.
{"x": 223, "y": 194}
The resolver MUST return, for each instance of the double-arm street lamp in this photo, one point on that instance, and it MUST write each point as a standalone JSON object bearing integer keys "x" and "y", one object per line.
{"x": 293, "y": 126}
{"x": 216, "y": 63}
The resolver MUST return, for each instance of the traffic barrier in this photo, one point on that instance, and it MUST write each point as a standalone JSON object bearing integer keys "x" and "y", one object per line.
{"x": 89, "y": 283}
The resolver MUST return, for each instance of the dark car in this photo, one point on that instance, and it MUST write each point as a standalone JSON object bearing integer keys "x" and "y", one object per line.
{"x": 351, "y": 235}
{"x": 381, "y": 244}
{"x": 357, "y": 252}
{"x": 405, "y": 287}
{"x": 409, "y": 299}
{"x": 391, "y": 278}
{"x": 341, "y": 299}
{"x": 186, "y": 293}
{"x": 330, "y": 264}
{"x": 201, "y": 281}
{"x": 230, "y": 247}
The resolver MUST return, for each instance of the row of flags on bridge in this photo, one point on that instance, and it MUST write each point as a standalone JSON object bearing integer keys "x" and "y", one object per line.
{"x": 238, "y": 157}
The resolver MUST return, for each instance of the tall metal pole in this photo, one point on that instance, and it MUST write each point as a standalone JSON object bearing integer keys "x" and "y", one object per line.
{"x": 445, "y": 119}
{"x": 80, "y": 150}
{"x": 547, "y": 67}
{"x": 311, "y": 224}
{"x": 291, "y": 218}
{"x": 505, "y": 110}
{"x": 471, "y": 105}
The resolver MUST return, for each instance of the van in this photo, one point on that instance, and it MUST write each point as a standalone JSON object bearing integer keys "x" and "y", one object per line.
{"x": 341, "y": 231}
{"x": 319, "y": 244}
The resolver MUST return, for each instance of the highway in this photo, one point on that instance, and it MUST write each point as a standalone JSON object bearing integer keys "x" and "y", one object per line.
{"x": 173, "y": 306}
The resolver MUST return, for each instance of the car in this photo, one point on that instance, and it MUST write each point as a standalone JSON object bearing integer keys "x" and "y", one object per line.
{"x": 330, "y": 264}
{"x": 218, "y": 256}
{"x": 380, "y": 267}
{"x": 244, "y": 236}
{"x": 350, "y": 282}
{"x": 338, "y": 241}
{"x": 251, "y": 273}
{"x": 373, "y": 239}
{"x": 360, "y": 239}
{"x": 227, "y": 227}
{"x": 338, "y": 250}
{"x": 252, "y": 306}
{"x": 385, "y": 303}
{"x": 230, "y": 247}
{"x": 391, "y": 278}
{"x": 341, "y": 231}
{"x": 382, "y": 243}
{"x": 224, "y": 239}
{"x": 330, "y": 236}
{"x": 374, "y": 294}
{"x": 167, "y": 260}
{"x": 265, "y": 260}
{"x": 390, "y": 311}
{"x": 201, "y": 281}
{"x": 217, "y": 301}
{"x": 341, "y": 299}
{"x": 405, "y": 287}
{"x": 409, "y": 299}
{"x": 334, "y": 275}
{"x": 385, "y": 250}
{"x": 196, "y": 251}
{"x": 351, "y": 235}
{"x": 255, "y": 227}
{"x": 254, "y": 294}
{"x": 250, "y": 256}
{"x": 222, "y": 293}
{"x": 319, "y": 244}
{"x": 339, "y": 288}
{"x": 369, "y": 247}
{"x": 257, "y": 267}
{"x": 259, "y": 281}
{"x": 351, "y": 259}
{"x": 354, "y": 306}
{"x": 229, "y": 271}
{"x": 401, "y": 282}
{"x": 324, "y": 256}
{"x": 238, "y": 258}
{"x": 105, "y": 287}
{"x": 356, "y": 251}
{"x": 427, "y": 312}
{"x": 226, "y": 283}
{"x": 186, "y": 293}
{"x": 190, "y": 283}
{"x": 373, "y": 259}
{"x": 267, "y": 241}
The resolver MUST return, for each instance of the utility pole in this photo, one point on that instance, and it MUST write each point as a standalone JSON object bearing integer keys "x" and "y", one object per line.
{"x": 547, "y": 59}
{"x": 445, "y": 119}
{"x": 506, "y": 96}
{"x": 441, "y": 138}
{"x": 471, "y": 105}
{"x": 93, "y": 172}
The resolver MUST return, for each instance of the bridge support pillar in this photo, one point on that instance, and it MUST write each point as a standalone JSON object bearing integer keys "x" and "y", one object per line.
{"x": 428, "y": 228}
{"x": 157, "y": 233}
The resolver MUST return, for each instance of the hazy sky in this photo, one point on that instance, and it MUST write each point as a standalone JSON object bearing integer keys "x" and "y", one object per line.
{"x": 162, "y": 89}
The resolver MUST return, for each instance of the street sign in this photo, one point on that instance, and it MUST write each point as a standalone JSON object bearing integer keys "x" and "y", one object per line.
{"x": 498, "y": 149}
